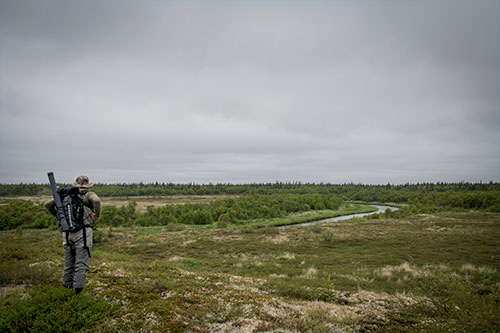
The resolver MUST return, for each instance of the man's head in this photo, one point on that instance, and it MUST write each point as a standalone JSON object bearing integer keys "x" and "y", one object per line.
{"x": 82, "y": 182}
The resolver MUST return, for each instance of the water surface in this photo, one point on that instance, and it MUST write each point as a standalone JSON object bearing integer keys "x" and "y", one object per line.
{"x": 380, "y": 209}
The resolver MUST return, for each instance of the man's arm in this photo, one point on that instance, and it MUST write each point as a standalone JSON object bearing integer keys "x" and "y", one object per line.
{"x": 95, "y": 202}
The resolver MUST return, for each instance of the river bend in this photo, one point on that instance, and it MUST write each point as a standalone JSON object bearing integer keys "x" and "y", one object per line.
{"x": 380, "y": 209}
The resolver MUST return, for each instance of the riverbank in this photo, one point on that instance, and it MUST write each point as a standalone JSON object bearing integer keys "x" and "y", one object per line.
{"x": 314, "y": 216}
{"x": 377, "y": 209}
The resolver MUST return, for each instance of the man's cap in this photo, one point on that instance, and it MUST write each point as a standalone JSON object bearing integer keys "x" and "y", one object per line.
{"x": 82, "y": 181}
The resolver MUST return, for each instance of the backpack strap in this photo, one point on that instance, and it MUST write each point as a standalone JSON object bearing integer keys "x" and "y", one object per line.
{"x": 82, "y": 193}
{"x": 85, "y": 246}
{"x": 80, "y": 214}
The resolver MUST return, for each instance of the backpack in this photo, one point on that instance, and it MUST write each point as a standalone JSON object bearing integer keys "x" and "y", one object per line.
{"x": 74, "y": 208}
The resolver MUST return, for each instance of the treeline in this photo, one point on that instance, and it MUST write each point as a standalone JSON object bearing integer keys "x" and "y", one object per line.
{"x": 431, "y": 196}
{"x": 435, "y": 201}
{"x": 26, "y": 214}
{"x": 395, "y": 193}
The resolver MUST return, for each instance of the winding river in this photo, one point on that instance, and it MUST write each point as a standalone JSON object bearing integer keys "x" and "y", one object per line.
{"x": 380, "y": 209}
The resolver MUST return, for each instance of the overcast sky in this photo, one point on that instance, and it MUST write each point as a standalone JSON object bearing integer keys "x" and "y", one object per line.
{"x": 250, "y": 91}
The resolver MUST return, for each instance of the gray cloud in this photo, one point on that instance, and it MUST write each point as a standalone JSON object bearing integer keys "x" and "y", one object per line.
{"x": 250, "y": 91}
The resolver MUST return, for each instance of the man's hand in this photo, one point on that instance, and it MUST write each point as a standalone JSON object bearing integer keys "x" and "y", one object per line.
{"x": 94, "y": 217}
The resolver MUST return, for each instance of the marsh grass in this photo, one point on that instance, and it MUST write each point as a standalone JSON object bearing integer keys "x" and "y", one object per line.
{"x": 388, "y": 274}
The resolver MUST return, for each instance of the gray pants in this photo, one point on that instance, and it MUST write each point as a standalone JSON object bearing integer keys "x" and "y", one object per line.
{"x": 77, "y": 258}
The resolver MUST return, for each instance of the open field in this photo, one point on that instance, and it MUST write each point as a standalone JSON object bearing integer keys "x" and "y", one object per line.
{"x": 429, "y": 272}
{"x": 142, "y": 201}
{"x": 159, "y": 201}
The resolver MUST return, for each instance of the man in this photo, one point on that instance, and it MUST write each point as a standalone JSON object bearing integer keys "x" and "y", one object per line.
{"x": 77, "y": 244}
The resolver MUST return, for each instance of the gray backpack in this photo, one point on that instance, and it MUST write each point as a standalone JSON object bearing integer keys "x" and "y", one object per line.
{"x": 74, "y": 208}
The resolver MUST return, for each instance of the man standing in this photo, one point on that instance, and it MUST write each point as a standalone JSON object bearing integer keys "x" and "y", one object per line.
{"x": 77, "y": 244}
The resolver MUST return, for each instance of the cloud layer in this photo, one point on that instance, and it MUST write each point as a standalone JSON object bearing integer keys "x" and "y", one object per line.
{"x": 250, "y": 91}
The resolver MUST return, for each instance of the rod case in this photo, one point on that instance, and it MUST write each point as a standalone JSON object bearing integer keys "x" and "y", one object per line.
{"x": 65, "y": 216}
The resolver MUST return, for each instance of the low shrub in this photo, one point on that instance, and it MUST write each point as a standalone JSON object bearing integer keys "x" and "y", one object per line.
{"x": 457, "y": 304}
{"x": 25, "y": 214}
{"x": 52, "y": 309}
{"x": 304, "y": 289}
{"x": 328, "y": 236}
{"x": 224, "y": 220}
{"x": 97, "y": 236}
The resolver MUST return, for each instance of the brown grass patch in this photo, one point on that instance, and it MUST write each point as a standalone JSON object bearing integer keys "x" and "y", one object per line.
{"x": 406, "y": 267}
{"x": 159, "y": 201}
{"x": 278, "y": 239}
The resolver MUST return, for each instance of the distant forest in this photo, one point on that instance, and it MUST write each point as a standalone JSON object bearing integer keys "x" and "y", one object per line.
{"x": 253, "y": 201}
{"x": 483, "y": 196}
{"x": 396, "y": 193}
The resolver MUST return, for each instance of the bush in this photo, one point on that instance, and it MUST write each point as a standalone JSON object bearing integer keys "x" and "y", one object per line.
{"x": 456, "y": 304}
{"x": 97, "y": 236}
{"x": 15, "y": 269}
{"x": 52, "y": 309}
{"x": 25, "y": 214}
{"x": 445, "y": 303}
{"x": 224, "y": 220}
{"x": 328, "y": 236}
{"x": 113, "y": 216}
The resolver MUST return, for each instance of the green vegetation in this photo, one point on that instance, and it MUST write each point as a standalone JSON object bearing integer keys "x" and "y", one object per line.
{"x": 25, "y": 214}
{"x": 238, "y": 210}
{"x": 423, "y": 272}
{"x": 222, "y": 265}
{"x": 426, "y": 195}
{"x": 41, "y": 310}
{"x": 309, "y": 216}
{"x": 278, "y": 202}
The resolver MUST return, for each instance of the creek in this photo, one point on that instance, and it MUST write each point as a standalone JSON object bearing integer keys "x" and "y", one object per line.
{"x": 380, "y": 209}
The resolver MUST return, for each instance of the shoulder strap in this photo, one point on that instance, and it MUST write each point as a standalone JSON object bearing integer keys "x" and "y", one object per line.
{"x": 89, "y": 205}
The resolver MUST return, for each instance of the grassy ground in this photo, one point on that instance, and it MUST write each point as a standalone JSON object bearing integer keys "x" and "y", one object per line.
{"x": 423, "y": 272}
{"x": 142, "y": 201}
